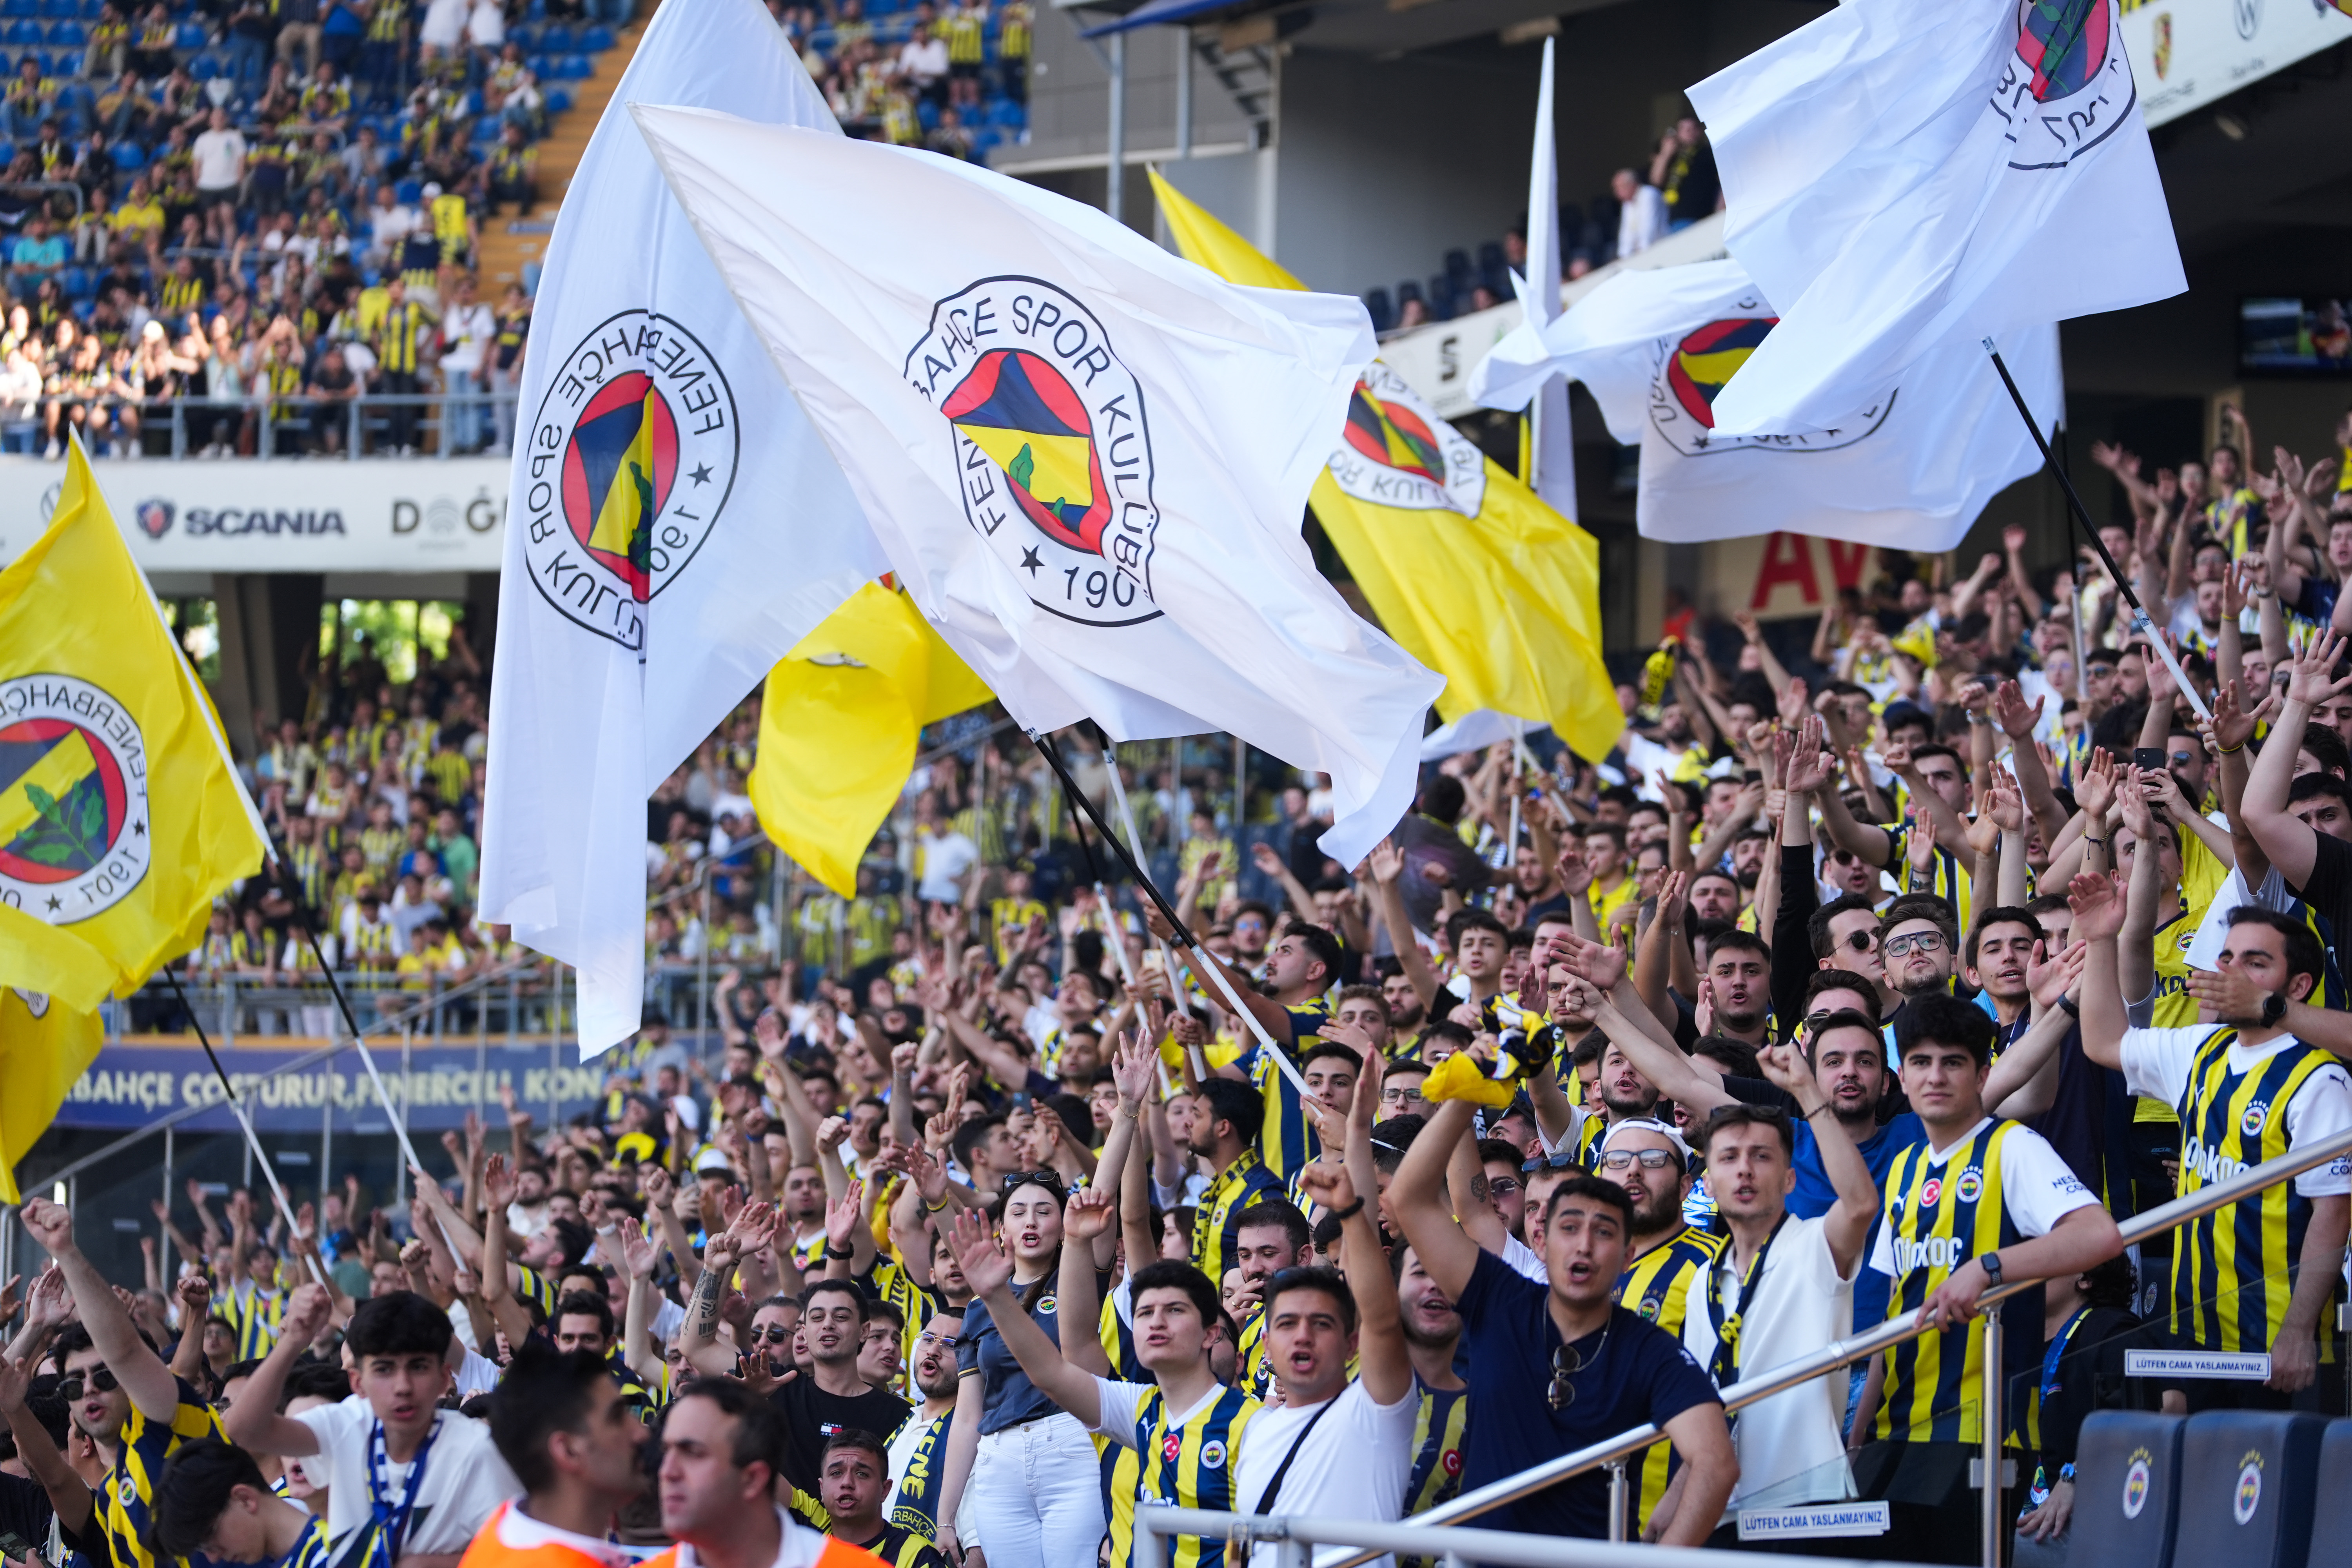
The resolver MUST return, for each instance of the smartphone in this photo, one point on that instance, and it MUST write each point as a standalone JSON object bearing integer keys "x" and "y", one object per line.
{"x": 2148, "y": 759}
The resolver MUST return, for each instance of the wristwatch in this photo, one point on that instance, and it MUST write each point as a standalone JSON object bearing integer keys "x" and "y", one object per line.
{"x": 2274, "y": 1010}
{"x": 1991, "y": 1261}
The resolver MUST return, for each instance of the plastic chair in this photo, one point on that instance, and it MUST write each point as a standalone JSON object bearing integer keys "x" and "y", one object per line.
{"x": 25, "y": 31}
{"x": 1457, "y": 269}
{"x": 72, "y": 34}
{"x": 190, "y": 38}
{"x": 596, "y": 41}
{"x": 2248, "y": 1486}
{"x": 1377, "y": 305}
{"x": 1444, "y": 300}
{"x": 2126, "y": 1490}
{"x": 61, "y": 9}
{"x": 13, "y": 8}
{"x": 2332, "y": 1520}
{"x": 410, "y": 192}
{"x": 1407, "y": 292}
{"x": 76, "y": 282}
{"x": 203, "y": 67}
{"x": 555, "y": 39}
{"x": 558, "y": 100}
{"x": 128, "y": 155}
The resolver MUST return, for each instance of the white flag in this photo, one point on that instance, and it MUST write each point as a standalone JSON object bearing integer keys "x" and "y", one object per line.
{"x": 1659, "y": 351}
{"x": 674, "y": 527}
{"x": 1087, "y": 459}
{"x": 1551, "y": 445}
{"x": 1901, "y": 176}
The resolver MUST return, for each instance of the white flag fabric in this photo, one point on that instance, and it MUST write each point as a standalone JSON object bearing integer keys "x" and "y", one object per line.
{"x": 1660, "y": 350}
{"x": 675, "y": 525}
{"x": 1900, "y": 176}
{"x": 1551, "y": 445}
{"x": 1087, "y": 459}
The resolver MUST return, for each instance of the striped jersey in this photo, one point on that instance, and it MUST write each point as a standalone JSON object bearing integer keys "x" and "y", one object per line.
{"x": 126, "y": 1497}
{"x": 1657, "y": 1286}
{"x": 1440, "y": 1434}
{"x": 256, "y": 1314}
{"x": 1216, "y": 1221}
{"x": 1189, "y": 1462}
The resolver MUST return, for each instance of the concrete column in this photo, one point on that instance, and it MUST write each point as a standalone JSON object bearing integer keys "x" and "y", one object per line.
{"x": 268, "y": 621}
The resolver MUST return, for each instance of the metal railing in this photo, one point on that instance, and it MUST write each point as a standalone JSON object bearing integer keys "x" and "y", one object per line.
{"x": 1296, "y": 1536}
{"x": 1837, "y": 1354}
{"x": 272, "y": 418}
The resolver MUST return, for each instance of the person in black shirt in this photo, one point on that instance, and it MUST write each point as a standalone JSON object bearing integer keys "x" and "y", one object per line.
{"x": 832, "y": 1396}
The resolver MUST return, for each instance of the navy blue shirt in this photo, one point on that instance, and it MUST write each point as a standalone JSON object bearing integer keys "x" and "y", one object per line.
{"x": 1634, "y": 1372}
{"x": 1815, "y": 1196}
{"x": 1008, "y": 1399}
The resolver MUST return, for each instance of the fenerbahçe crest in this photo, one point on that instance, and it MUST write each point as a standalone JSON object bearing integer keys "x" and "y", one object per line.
{"x": 1053, "y": 450}
{"x": 1395, "y": 451}
{"x": 632, "y": 459}
{"x": 73, "y": 798}
{"x": 1694, "y": 369}
{"x": 2068, "y": 86}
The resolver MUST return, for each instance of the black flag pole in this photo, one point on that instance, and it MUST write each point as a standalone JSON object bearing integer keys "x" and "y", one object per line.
{"x": 1201, "y": 960}
{"x": 2080, "y": 516}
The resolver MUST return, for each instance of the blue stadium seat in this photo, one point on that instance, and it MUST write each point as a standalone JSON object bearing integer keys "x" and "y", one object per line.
{"x": 76, "y": 282}
{"x": 1444, "y": 300}
{"x": 20, "y": 8}
{"x": 525, "y": 34}
{"x": 927, "y": 115}
{"x": 596, "y": 41}
{"x": 578, "y": 67}
{"x": 191, "y": 36}
{"x": 128, "y": 155}
{"x": 72, "y": 34}
{"x": 555, "y": 39}
{"x": 2249, "y": 1484}
{"x": 61, "y": 9}
{"x": 203, "y": 67}
{"x": 2332, "y": 1520}
{"x": 1376, "y": 306}
{"x": 2126, "y": 1490}
{"x": 1457, "y": 269}
{"x": 559, "y": 100}
{"x": 410, "y": 192}
{"x": 23, "y": 31}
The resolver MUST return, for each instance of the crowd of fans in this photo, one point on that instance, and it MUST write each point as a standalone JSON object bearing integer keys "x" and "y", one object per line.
{"x": 272, "y": 207}
{"x": 1849, "y": 986}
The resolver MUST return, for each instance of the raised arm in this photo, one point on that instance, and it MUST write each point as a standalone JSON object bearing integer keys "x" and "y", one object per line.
{"x": 2289, "y": 843}
{"x": 253, "y": 1422}
{"x": 141, "y": 1371}
{"x": 1418, "y": 1202}
{"x": 1382, "y": 1360}
{"x": 1087, "y": 1219}
{"x": 1386, "y": 864}
{"x": 2098, "y": 918}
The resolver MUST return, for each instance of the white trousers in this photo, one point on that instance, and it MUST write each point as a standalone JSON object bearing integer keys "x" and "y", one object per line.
{"x": 1035, "y": 1500}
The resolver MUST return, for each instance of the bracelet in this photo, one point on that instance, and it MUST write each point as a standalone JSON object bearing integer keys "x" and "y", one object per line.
{"x": 1350, "y": 1212}
{"x": 2100, "y": 842}
{"x": 840, "y": 1256}
{"x": 2232, "y": 750}
{"x": 931, "y": 1208}
{"x": 2074, "y": 1008}
{"x": 1816, "y": 1110}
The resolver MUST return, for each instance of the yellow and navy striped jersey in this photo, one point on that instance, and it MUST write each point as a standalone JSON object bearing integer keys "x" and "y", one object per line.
{"x": 255, "y": 1313}
{"x": 915, "y": 1506}
{"x": 1657, "y": 1286}
{"x": 1013, "y": 31}
{"x": 127, "y": 1494}
{"x": 1192, "y": 1465}
{"x": 1256, "y": 1374}
{"x": 1440, "y": 1435}
{"x": 964, "y": 27}
{"x": 309, "y": 1547}
{"x": 1937, "y": 1218}
{"x": 896, "y": 1287}
{"x": 1950, "y": 880}
{"x": 2233, "y": 1271}
{"x": 901, "y": 1548}
{"x": 1216, "y": 1223}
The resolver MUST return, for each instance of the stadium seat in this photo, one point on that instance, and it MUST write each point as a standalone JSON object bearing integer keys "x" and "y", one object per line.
{"x": 559, "y": 100}
{"x": 1444, "y": 300}
{"x": 1407, "y": 291}
{"x": 190, "y": 38}
{"x": 2332, "y": 1520}
{"x": 410, "y": 192}
{"x": 1383, "y": 314}
{"x": 76, "y": 282}
{"x": 2249, "y": 1484}
{"x": 1457, "y": 269}
{"x": 61, "y": 9}
{"x": 596, "y": 41}
{"x": 927, "y": 115}
{"x": 72, "y": 34}
{"x": 578, "y": 67}
{"x": 128, "y": 155}
{"x": 2126, "y": 1490}
{"x": 555, "y": 39}
{"x": 23, "y": 31}
{"x": 203, "y": 67}
{"x": 13, "y": 8}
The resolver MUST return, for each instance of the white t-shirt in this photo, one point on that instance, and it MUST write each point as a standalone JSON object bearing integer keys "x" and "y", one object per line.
{"x": 465, "y": 1479}
{"x": 1792, "y": 1446}
{"x": 946, "y": 858}
{"x": 219, "y": 159}
{"x": 1353, "y": 1464}
{"x": 2036, "y": 1185}
{"x": 2156, "y": 1064}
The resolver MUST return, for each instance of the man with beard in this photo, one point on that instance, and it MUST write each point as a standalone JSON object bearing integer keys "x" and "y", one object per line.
{"x": 1225, "y": 1134}
{"x": 1919, "y": 942}
{"x": 569, "y": 1432}
{"x": 918, "y": 1454}
{"x": 722, "y": 1456}
{"x": 1715, "y": 897}
{"x": 1373, "y": 1009}
{"x": 1404, "y": 1004}
{"x": 1937, "y": 785}
{"x": 1271, "y": 1235}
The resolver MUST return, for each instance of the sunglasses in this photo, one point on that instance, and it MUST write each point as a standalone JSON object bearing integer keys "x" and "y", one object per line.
{"x": 69, "y": 1389}
{"x": 1861, "y": 940}
{"x": 1924, "y": 941}
{"x": 1652, "y": 1159}
{"x": 774, "y": 1334}
{"x": 1565, "y": 1364}
{"x": 1045, "y": 1179}
{"x": 1562, "y": 1161}
{"x": 1503, "y": 1186}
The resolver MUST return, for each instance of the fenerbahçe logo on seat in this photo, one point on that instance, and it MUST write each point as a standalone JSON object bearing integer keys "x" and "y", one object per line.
{"x": 2068, "y": 86}
{"x": 632, "y": 458}
{"x": 1396, "y": 451}
{"x": 73, "y": 798}
{"x": 1050, "y": 437}
{"x": 1694, "y": 369}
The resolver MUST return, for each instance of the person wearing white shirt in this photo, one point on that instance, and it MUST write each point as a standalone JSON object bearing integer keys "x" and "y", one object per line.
{"x": 923, "y": 59}
{"x": 219, "y": 155}
{"x": 946, "y": 856}
{"x": 1641, "y": 213}
{"x": 467, "y": 328}
{"x": 1784, "y": 1288}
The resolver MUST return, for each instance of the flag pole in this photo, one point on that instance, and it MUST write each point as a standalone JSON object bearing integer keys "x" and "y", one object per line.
{"x": 2081, "y": 515}
{"x": 1111, "y": 924}
{"x": 245, "y": 1122}
{"x": 1166, "y": 959}
{"x": 1198, "y": 961}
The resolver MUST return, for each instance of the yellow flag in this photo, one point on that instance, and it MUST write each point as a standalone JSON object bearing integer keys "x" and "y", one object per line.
{"x": 837, "y": 728}
{"x": 44, "y": 1045}
{"x": 1464, "y": 566}
{"x": 120, "y": 819}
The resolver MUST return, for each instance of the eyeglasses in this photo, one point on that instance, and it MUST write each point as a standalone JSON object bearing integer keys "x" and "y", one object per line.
{"x": 1923, "y": 940}
{"x": 69, "y": 1388}
{"x": 1845, "y": 857}
{"x": 2182, "y": 759}
{"x": 1561, "y": 1161}
{"x": 1503, "y": 1186}
{"x": 1045, "y": 1179}
{"x": 1652, "y": 1159}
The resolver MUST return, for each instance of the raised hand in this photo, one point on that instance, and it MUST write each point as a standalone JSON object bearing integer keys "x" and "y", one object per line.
{"x": 1919, "y": 844}
{"x": 307, "y": 1311}
{"x": 660, "y": 1190}
{"x": 1674, "y": 900}
{"x": 987, "y": 1265}
{"x": 1809, "y": 764}
{"x": 49, "y": 1224}
{"x": 2094, "y": 790}
{"x": 2232, "y": 725}
{"x": 841, "y": 1219}
{"x": 1088, "y": 1214}
{"x": 1602, "y": 966}
{"x": 2050, "y": 976}
{"x": 1785, "y": 1065}
{"x": 768, "y": 1030}
{"x": 1792, "y": 702}
{"x": 2010, "y": 712}
{"x": 1386, "y": 862}
{"x": 1983, "y": 830}
{"x": 1134, "y": 1067}
{"x": 1575, "y": 876}
{"x": 2132, "y": 794}
{"x": 639, "y": 1252}
{"x": 2311, "y": 679}
{"x": 2006, "y": 801}
{"x": 2098, "y": 906}
{"x": 1327, "y": 1185}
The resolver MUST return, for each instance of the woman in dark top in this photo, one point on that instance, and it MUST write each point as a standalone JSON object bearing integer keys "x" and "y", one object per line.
{"x": 2087, "y": 1325}
{"x": 1022, "y": 1473}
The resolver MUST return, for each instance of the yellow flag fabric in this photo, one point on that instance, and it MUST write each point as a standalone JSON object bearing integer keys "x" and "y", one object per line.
{"x": 837, "y": 728}
{"x": 44, "y": 1045}
{"x": 1464, "y": 564}
{"x": 120, "y": 819}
